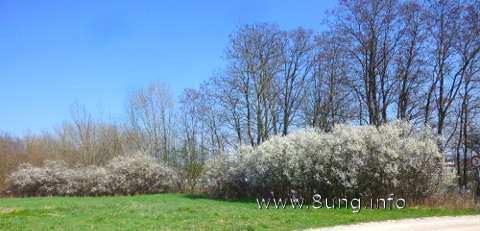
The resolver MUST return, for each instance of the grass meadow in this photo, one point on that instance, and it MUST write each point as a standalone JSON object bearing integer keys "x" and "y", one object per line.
{"x": 181, "y": 212}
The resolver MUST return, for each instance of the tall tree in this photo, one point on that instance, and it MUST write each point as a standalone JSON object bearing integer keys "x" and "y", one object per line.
{"x": 254, "y": 61}
{"x": 297, "y": 65}
{"x": 410, "y": 72}
{"x": 368, "y": 28}
{"x": 328, "y": 97}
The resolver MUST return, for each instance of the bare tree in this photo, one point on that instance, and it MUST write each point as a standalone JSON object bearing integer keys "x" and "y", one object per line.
{"x": 368, "y": 28}
{"x": 151, "y": 121}
{"x": 410, "y": 61}
{"x": 468, "y": 44}
{"x": 328, "y": 99}
{"x": 86, "y": 140}
{"x": 225, "y": 93}
{"x": 297, "y": 65}
{"x": 450, "y": 60}
{"x": 254, "y": 61}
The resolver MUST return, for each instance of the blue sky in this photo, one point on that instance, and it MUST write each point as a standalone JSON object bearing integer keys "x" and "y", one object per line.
{"x": 95, "y": 53}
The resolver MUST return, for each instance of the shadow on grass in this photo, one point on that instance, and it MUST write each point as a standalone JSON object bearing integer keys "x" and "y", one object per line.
{"x": 236, "y": 200}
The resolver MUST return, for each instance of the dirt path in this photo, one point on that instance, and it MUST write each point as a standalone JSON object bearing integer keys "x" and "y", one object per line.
{"x": 460, "y": 223}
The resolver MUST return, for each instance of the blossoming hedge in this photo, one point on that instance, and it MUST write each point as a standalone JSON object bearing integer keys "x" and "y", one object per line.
{"x": 349, "y": 161}
{"x": 123, "y": 175}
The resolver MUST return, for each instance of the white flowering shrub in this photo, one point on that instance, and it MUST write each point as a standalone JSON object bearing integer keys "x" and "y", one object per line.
{"x": 219, "y": 174}
{"x": 31, "y": 180}
{"x": 139, "y": 173}
{"x": 124, "y": 175}
{"x": 350, "y": 160}
{"x": 86, "y": 181}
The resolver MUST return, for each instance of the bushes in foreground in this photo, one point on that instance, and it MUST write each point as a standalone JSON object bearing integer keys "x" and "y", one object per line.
{"x": 365, "y": 161}
{"x": 123, "y": 175}
{"x": 349, "y": 161}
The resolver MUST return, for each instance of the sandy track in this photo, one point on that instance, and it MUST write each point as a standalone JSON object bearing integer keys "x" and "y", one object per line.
{"x": 460, "y": 223}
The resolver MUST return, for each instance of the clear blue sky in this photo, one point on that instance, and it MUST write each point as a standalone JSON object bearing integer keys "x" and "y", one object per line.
{"x": 95, "y": 53}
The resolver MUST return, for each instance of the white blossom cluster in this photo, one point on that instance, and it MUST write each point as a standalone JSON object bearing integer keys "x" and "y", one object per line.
{"x": 123, "y": 175}
{"x": 350, "y": 160}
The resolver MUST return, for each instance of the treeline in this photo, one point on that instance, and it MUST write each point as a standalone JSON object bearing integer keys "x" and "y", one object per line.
{"x": 377, "y": 61}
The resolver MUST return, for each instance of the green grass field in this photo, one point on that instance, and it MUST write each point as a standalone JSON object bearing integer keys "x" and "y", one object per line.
{"x": 180, "y": 212}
